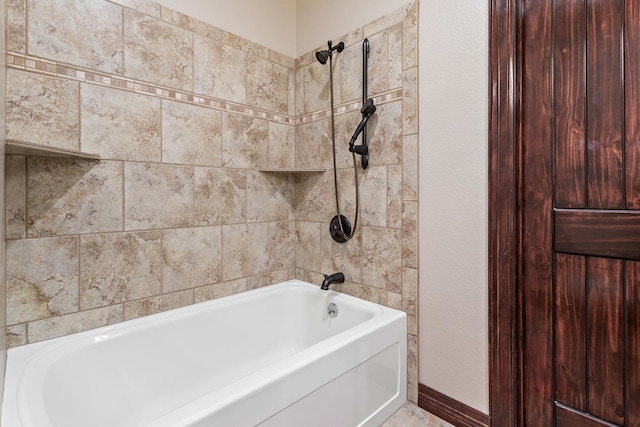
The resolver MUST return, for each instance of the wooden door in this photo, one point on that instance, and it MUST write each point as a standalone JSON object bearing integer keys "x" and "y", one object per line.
{"x": 579, "y": 131}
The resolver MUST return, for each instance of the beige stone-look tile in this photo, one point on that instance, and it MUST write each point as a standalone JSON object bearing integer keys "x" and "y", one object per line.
{"x": 385, "y": 133}
{"x": 314, "y": 199}
{"x": 389, "y": 20}
{"x": 121, "y": 125}
{"x": 282, "y": 245}
{"x": 291, "y": 96}
{"x": 90, "y": 37}
{"x": 220, "y": 71}
{"x": 219, "y": 290}
{"x": 410, "y": 37}
{"x": 282, "y": 145}
{"x": 42, "y": 110}
{"x": 312, "y": 277}
{"x": 351, "y": 38}
{"x": 410, "y": 167}
{"x": 410, "y": 415}
{"x": 157, "y": 52}
{"x": 158, "y": 196}
{"x": 244, "y": 44}
{"x": 191, "y": 257}
{"x": 382, "y": 258}
{"x": 267, "y": 279}
{"x": 410, "y": 101}
{"x": 148, "y": 306}
{"x": 46, "y": 285}
{"x": 394, "y": 196}
{"x": 176, "y": 18}
{"x": 412, "y": 368}
{"x": 317, "y": 90}
{"x": 344, "y": 257}
{"x": 15, "y": 197}
{"x": 145, "y": 6}
{"x": 410, "y": 234}
{"x": 119, "y": 267}
{"x": 410, "y": 298}
{"x": 308, "y": 254}
{"x": 267, "y": 197}
{"x": 368, "y": 293}
{"x": 346, "y": 125}
{"x": 17, "y": 335}
{"x": 351, "y": 74}
{"x": 267, "y": 85}
{"x": 16, "y": 25}
{"x": 378, "y": 63}
{"x": 373, "y": 196}
{"x": 73, "y": 323}
{"x": 282, "y": 59}
{"x": 308, "y": 145}
{"x": 394, "y": 56}
{"x": 245, "y": 142}
{"x": 245, "y": 250}
{"x": 299, "y": 91}
{"x": 191, "y": 134}
{"x": 220, "y": 196}
{"x": 394, "y": 300}
{"x": 73, "y": 196}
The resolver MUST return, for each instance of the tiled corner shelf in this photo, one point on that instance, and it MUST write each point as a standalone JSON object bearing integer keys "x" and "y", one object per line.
{"x": 29, "y": 149}
{"x": 292, "y": 170}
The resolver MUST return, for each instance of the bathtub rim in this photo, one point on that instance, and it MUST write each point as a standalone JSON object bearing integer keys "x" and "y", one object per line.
{"x": 20, "y": 358}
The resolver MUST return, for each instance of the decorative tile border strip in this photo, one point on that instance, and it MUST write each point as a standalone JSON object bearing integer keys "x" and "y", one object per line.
{"x": 56, "y": 69}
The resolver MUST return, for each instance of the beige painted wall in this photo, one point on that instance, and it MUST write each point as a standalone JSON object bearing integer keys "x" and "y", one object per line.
{"x": 453, "y": 199}
{"x": 271, "y": 23}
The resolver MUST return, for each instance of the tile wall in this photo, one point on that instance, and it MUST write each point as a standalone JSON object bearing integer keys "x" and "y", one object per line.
{"x": 182, "y": 115}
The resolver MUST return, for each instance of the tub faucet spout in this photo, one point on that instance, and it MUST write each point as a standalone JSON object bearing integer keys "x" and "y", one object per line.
{"x": 329, "y": 280}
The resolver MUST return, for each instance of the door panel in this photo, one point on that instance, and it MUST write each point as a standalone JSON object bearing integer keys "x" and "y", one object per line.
{"x": 579, "y": 130}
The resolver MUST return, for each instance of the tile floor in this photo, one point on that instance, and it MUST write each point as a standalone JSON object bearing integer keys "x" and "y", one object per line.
{"x": 410, "y": 415}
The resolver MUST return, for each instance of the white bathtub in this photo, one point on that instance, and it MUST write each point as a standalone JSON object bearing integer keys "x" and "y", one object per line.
{"x": 268, "y": 357}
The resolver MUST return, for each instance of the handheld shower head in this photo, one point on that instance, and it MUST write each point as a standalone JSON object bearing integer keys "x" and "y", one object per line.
{"x": 367, "y": 110}
{"x": 323, "y": 55}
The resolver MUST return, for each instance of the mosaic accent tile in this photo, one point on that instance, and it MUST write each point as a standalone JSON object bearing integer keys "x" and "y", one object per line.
{"x": 220, "y": 70}
{"x": 385, "y": 132}
{"x": 191, "y": 135}
{"x": 410, "y": 167}
{"x": 72, "y": 323}
{"x": 282, "y": 245}
{"x": 219, "y": 290}
{"x": 245, "y": 142}
{"x": 157, "y": 196}
{"x": 382, "y": 258}
{"x": 90, "y": 37}
{"x": 15, "y": 197}
{"x": 410, "y": 298}
{"x": 245, "y": 250}
{"x": 120, "y": 125}
{"x": 220, "y": 196}
{"x": 148, "y": 306}
{"x": 16, "y": 25}
{"x": 47, "y": 285}
{"x": 157, "y": 52}
{"x": 394, "y": 196}
{"x": 282, "y": 145}
{"x": 119, "y": 267}
{"x": 410, "y": 234}
{"x": 72, "y": 196}
{"x": 191, "y": 257}
{"x": 50, "y": 102}
{"x": 267, "y": 85}
{"x": 267, "y": 197}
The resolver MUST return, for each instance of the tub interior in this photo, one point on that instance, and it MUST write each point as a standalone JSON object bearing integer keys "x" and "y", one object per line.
{"x": 166, "y": 362}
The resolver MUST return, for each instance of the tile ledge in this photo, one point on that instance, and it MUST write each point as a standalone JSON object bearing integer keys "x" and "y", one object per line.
{"x": 292, "y": 170}
{"x": 30, "y": 149}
